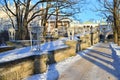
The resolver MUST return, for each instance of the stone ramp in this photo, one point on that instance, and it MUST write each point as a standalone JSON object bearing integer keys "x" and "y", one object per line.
{"x": 96, "y": 63}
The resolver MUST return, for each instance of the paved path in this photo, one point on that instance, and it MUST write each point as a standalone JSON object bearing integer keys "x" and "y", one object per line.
{"x": 97, "y": 64}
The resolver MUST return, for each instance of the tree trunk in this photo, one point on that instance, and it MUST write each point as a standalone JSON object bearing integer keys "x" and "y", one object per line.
{"x": 19, "y": 31}
{"x": 25, "y": 32}
{"x": 115, "y": 37}
{"x": 45, "y": 28}
{"x": 114, "y": 16}
{"x": 44, "y": 20}
{"x": 118, "y": 37}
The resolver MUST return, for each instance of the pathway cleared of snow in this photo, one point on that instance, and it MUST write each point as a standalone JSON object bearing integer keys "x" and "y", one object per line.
{"x": 97, "y": 64}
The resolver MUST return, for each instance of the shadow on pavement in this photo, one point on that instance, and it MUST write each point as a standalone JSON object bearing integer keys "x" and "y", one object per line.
{"x": 102, "y": 60}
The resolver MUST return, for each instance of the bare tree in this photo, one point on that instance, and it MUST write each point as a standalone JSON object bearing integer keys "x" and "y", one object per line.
{"x": 112, "y": 7}
{"x": 25, "y": 11}
{"x": 10, "y": 17}
{"x": 60, "y": 8}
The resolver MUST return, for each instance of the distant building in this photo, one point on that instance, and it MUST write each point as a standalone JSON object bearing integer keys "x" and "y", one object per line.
{"x": 104, "y": 27}
{"x": 62, "y": 24}
{"x": 85, "y": 27}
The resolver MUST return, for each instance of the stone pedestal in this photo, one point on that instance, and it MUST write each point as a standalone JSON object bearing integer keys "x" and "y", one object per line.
{"x": 40, "y": 63}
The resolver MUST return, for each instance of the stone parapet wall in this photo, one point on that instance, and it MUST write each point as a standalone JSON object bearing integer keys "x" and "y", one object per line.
{"x": 89, "y": 40}
{"x": 95, "y": 37}
{"x": 62, "y": 54}
{"x": 86, "y": 41}
{"x": 16, "y": 70}
{"x": 40, "y": 63}
{"x": 19, "y": 69}
{"x": 22, "y": 68}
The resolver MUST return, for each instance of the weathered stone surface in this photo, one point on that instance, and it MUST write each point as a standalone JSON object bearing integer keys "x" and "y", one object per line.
{"x": 62, "y": 54}
{"x": 89, "y": 39}
{"x": 19, "y": 69}
{"x": 40, "y": 63}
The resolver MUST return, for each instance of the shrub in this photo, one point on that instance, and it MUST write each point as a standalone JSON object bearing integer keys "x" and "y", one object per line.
{"x": 4, "y": 36}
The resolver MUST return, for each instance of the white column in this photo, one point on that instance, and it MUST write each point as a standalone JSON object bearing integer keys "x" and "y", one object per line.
{"x": 72, "y": 33}
{"x": 30, "y": 39}
{"x": 48, "y": 26}
{"x": 40, "y": 23}
{"x": 68, "y": 32}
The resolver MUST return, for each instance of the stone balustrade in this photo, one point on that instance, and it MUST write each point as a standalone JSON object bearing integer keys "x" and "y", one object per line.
{"x": 88, "y": 40}
{"x": 34, "y": 64}
{"x": 17, "y": 70}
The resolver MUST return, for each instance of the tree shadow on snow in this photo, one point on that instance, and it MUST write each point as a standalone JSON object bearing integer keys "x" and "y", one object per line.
{"x": 52, "y": 73}
{"x": 100, "y": 59}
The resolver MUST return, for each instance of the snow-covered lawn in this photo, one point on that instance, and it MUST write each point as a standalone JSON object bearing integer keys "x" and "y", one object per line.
{"x": 115, "y": 48}
{"x": 116, "y": 56}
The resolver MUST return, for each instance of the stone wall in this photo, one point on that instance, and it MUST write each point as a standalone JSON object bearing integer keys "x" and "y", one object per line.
{"x": 89, "y": 40}
{"x": 16, "y": 70}
{"x": 95, "y": 37}
{"x": 19, "y": 69}
{"x": 22, "y": 68}
{"x": 62, "y": 54}
{"x": 86, "y": 41}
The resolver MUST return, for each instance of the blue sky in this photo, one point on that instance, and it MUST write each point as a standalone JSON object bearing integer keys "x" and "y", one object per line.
{"x": 89, "y": 12}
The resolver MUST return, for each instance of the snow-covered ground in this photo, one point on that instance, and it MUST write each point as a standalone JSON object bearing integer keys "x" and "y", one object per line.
{"x": 116, "y": 55}
{"x": 115, "y": 48}
{"x": 54, "y": 70}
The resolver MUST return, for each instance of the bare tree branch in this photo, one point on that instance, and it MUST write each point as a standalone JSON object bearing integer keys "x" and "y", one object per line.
{"x": 9, "y": 8}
